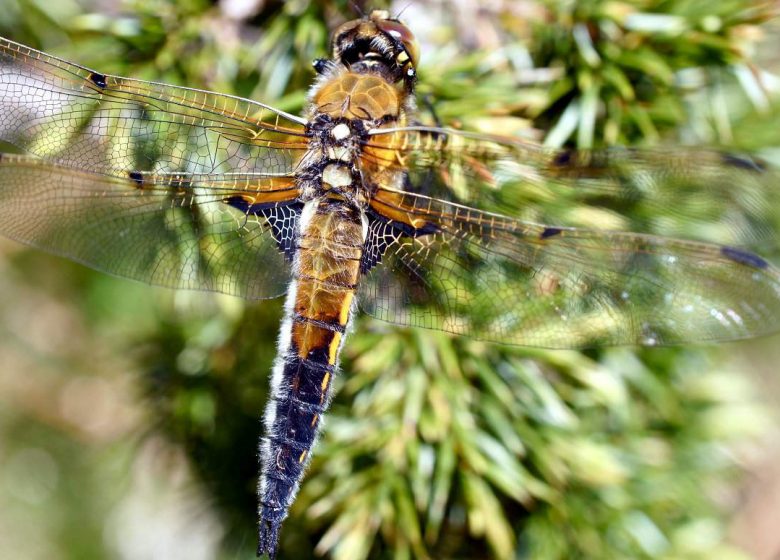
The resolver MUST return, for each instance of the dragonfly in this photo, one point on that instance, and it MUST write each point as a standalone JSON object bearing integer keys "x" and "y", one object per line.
{"x": 358, "y": 206}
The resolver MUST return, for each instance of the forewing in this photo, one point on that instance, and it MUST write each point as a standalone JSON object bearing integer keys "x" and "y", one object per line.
{"x": 114, "y": 125}
{"x": 692, "y": 193}
{"x": 220, "y": 232}
{"x": 457, "y": 269}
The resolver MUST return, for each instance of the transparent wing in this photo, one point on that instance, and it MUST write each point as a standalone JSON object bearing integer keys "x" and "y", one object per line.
{"x": 222, "y": 232}
{"x": 457, "y": 269}
{"x": 113, "y": 125}
{"x": 700, "y": 194}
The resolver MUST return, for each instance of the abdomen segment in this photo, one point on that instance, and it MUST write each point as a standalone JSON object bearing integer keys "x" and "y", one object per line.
{"x": 326, "y": 269}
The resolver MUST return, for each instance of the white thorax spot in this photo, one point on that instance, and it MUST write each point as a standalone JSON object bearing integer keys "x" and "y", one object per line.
{"x": 337, "y": 176}
{"x": 340, "y": 131}
{"x": 340, "y": 153}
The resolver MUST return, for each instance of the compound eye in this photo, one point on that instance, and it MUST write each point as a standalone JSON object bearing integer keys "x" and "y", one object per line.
{"x": 401, "y": 33}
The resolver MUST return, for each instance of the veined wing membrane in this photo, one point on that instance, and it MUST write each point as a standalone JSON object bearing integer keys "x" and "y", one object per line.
{"x": 504, "y": 280}
{"x": 220, "y": 232}
{"x": 694, "y": 193}
{"x": 112, "y": 125}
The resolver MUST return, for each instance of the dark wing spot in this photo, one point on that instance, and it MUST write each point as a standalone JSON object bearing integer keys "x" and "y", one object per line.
{"x": 563, "y": 158}
{"x": 98, "y": 79}
{"x": 282, "y": 219}
{"x": 384, "y": 233}
{"x": 241, "y": 203}
{"x": 550, "y": 232}
{"x": 744, "y": 162}
{"x": 410, "y": 231}
{"x": 743, "y": 257}
{"x": 247, "y": 206}
{"x": 381, "y": 235}
{"x": 137, "y": 177}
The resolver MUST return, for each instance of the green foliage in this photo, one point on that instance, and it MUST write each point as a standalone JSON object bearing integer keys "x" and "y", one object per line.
{"x": 439, "y": 447}
{"x": 622, "y": 63}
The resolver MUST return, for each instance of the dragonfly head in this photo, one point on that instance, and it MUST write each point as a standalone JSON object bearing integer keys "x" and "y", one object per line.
{"x": 377, "y": 43}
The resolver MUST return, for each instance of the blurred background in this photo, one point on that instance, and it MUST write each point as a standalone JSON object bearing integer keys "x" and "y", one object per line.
{"x": 129, "y": 415}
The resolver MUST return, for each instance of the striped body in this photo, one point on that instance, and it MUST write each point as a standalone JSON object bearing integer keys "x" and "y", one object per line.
{"x": 327, "y": 263}
{"x": 197, "y": 190}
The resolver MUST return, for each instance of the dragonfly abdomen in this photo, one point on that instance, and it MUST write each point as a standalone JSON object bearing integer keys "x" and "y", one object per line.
{"x": 326, "y": 268}
{"x": 331, "y": 235}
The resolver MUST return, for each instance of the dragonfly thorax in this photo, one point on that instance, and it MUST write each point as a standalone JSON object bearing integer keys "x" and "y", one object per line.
{"x": 331, "y": 168}
{"x": 352, "y": 95}
{"x": 343, "y": 181}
